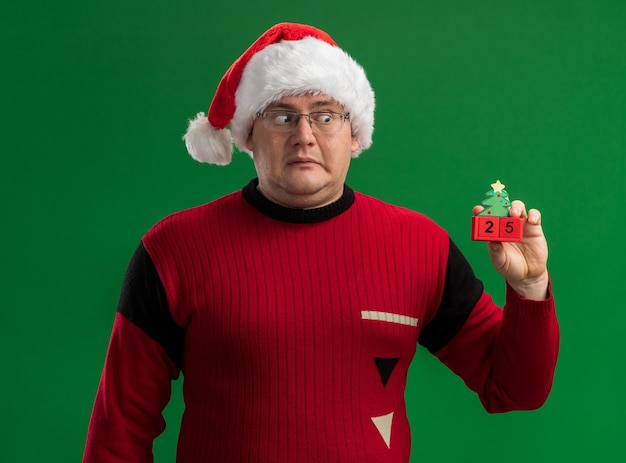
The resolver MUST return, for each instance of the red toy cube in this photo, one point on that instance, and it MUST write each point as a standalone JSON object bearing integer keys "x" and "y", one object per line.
{"x": 511, "y": 229}
{"x": 485, "y": 228}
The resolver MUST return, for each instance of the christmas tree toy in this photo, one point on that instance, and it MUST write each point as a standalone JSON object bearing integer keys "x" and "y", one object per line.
{"x": 494, "y": 222}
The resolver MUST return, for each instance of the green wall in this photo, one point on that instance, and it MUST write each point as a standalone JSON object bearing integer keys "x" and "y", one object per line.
{"x": 95, "y": 98}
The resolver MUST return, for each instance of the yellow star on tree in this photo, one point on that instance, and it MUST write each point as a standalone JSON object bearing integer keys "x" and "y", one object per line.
{"x": 497, "y": 187}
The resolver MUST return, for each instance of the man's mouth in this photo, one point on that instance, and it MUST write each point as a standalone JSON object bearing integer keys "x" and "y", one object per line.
{"x": 303, "y": 161}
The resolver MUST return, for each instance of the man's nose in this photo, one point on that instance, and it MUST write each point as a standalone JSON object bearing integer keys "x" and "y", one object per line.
{"x": 304, "y": 130}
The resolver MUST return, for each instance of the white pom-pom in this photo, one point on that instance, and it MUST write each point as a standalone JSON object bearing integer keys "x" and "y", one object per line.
{"x": 207, "y": 144}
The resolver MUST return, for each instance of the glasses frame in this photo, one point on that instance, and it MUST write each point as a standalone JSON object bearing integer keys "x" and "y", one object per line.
{"x": 296, "y": 116}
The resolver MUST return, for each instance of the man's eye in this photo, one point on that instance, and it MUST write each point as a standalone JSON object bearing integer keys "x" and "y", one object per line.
{"x": 322, "y": 118}
{"x": 282, "y": 118}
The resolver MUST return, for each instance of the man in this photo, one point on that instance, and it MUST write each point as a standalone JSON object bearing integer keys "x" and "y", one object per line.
{"x": 293, "y": 307}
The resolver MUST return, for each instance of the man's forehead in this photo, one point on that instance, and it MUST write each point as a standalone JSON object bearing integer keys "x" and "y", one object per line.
{"x": 306, "y": 100}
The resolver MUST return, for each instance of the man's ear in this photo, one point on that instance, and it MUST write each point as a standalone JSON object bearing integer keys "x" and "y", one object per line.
{"x": 355, "y": 145}
{"x": 249, "y": 140}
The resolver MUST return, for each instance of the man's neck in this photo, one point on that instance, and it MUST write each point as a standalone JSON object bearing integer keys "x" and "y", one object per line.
{"x": 284, "y": 213}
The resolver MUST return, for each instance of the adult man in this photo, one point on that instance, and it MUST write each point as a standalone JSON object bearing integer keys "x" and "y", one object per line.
{"x": 293, "y": 307}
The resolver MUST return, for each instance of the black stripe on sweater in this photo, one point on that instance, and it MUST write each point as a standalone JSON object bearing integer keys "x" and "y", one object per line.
{"x": 461, "y": 292}
{"x": 143, "y": 301}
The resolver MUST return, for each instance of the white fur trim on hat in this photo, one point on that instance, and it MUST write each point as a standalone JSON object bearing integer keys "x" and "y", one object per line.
{"x": 297, "y": 67}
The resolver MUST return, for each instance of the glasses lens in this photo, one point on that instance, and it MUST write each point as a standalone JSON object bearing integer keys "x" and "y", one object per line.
{"x": 281, "y": 119}
{"x": 327, "y": 122}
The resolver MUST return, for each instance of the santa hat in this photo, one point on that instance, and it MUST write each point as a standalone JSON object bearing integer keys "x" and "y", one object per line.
{"x": 288, "y": 59}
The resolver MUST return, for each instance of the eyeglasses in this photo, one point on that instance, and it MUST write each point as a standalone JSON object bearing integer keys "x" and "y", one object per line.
{"x": 286, "y": 121}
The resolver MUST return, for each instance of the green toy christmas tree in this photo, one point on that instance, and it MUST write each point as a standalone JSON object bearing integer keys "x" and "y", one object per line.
{"x": 494, "y": 222}
{"x": 497, "y": 201}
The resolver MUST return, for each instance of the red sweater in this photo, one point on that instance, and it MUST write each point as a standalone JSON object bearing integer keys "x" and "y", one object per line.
{"x": 294, "y": 331}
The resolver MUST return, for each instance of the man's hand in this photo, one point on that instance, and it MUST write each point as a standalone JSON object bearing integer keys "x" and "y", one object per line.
{"x": 523, "y": 264}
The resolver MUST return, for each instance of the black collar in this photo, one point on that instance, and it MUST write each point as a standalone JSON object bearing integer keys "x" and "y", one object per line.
{"x": 293, "y": 215}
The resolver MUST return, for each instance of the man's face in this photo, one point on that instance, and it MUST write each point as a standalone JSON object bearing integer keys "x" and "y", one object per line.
{"x": 302, "y": 168}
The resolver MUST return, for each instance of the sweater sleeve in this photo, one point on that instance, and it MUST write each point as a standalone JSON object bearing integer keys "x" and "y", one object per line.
{"x": 507, "y": 356}
{"x": 143, "y": 357}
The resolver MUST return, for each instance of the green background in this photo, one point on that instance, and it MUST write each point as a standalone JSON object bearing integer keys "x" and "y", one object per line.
{"x": 95, "y": 98}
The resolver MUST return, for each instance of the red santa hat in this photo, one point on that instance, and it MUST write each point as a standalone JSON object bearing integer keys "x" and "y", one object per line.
{"x": 288, "y": 59}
